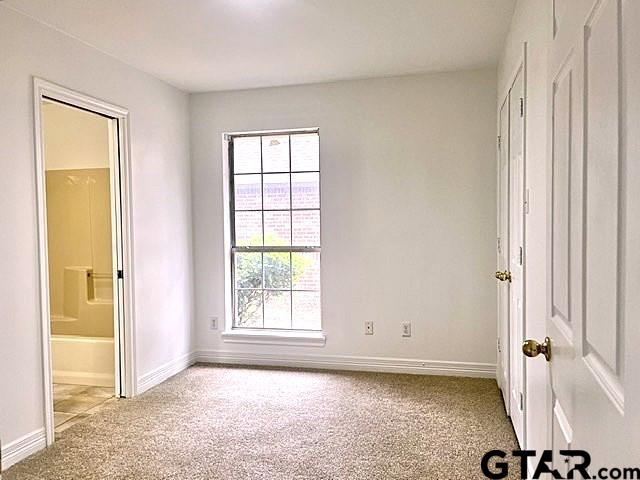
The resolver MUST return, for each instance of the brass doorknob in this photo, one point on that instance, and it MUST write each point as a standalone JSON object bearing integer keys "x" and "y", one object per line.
{"x": 503, "y": 276}
{"x": 531, "y": 348}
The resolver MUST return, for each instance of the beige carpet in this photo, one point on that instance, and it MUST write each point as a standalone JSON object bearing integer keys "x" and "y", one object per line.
{"x": 213, "y": 422}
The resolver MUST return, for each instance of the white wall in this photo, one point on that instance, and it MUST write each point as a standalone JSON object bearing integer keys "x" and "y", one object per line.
{"x": 161, "y": 208}
{"x": 531, "y": 23}
{"x": 408, "y": 213}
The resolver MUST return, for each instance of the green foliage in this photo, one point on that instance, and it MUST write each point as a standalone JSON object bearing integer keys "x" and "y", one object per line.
{"x": 280, "y": 269}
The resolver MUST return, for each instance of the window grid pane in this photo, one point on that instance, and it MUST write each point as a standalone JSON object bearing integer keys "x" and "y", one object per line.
{"x": 247, "y": 194}
{"x": 305, "y": 190}
{"x": 281, "y": 289}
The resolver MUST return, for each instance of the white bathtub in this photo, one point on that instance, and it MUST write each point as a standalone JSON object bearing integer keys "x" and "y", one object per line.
{"x": 83, "y": 360}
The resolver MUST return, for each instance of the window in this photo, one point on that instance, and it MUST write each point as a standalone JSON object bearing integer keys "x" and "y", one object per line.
{"x": 275, "y": 230}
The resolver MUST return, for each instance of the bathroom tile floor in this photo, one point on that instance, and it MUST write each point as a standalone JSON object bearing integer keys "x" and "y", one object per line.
{"x": 74, "y": 403}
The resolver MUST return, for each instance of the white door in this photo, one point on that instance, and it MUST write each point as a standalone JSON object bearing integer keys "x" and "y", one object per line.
{"x": 516, "y": 254}
{"x": 593, "y": 274}
{"x": 511, "y": 254}
{"x": 503, "y": 253}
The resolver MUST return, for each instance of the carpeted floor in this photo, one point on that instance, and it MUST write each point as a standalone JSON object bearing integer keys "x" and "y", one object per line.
{"x": 228, "y": 423}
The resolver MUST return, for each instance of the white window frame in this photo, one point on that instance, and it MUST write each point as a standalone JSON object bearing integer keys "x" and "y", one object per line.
{"x": 316, "y": 338}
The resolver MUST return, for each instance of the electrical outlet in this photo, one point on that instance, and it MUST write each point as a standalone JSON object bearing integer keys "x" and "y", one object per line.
{"x": 368, "y": 328}
{"x": 406, "y": 329}
{"x": 213, "y": 323}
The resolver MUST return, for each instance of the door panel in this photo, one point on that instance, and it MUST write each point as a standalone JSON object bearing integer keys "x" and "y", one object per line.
{"x": 589, "y": 263}
{"x": 516, "y": 253}
{"x": 562, "y": 436}
{"x": 565, "y": 151}
{"x": 503, "y": 253}
{"x": 560, "y": 197}
{"x": 602, "y": 162}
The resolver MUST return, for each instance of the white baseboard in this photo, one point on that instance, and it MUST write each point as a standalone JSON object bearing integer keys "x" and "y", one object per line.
{"x": 84, "y": 378}
{"x": 160, "y": 374}
{"x": 335, "y": 362}
{"x": 21, "y": 448}
{"x": 330, "y": 362}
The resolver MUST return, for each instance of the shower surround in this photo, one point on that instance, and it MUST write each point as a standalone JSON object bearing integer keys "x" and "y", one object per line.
{"x": 80, "y": 275}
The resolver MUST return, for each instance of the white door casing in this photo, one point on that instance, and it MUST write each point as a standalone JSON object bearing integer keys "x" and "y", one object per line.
{"x": 593, "y": 233}
{"x": 510, "y": 258}
{"x": 503, "y": 253}
{"x": 516, "y": 255}
{"x": 124, "y": 319}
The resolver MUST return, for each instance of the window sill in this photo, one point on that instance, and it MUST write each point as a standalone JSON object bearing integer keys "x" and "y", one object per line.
{"x": 275, "y": 337}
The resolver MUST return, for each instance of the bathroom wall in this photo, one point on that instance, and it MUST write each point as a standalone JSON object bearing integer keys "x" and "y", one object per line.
{"x": 79, "y": 227}
{"x": 74, "y": 138}
{"x": 78, "y": 220}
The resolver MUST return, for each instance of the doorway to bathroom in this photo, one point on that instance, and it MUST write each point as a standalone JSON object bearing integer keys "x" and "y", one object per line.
{"x": 85, "y": 265}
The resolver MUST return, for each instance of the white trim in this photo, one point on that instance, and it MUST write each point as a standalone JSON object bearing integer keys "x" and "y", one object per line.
{"x": 226, "y": 135}
{"x": 523, "y": 215}
{"x": 125, "y": 348}
{"x": 505, "y": 343}
{"x": 226, "y": 238}
{"x": 274, "y": 337}
{"x": 355, "y": 363}
{"x": 163, "y": 372}
{"x": 23, "y": 447}
{"x": 520, "y": 65}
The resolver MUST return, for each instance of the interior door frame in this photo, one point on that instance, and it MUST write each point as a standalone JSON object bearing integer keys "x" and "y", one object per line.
{"x": 502, "y": 242}
{"x": 521, "y": 65}
{"x": 124, "y": 321}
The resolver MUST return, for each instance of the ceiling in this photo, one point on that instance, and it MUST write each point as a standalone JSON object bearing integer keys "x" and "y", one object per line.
{"x": 202, "y": 45}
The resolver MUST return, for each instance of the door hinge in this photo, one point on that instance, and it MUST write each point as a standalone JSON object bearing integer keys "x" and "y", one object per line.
{"x": 120, "y": 274}
{"x": 499, "y": 350}
{"x": 520, "y": 255}
{"x": 526, "y": 201}
{"x": 499, "y": 245}
{"x": 521, "y": 402}
{"x": 521, "y": 107}
{"x": 499, "y": 142}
